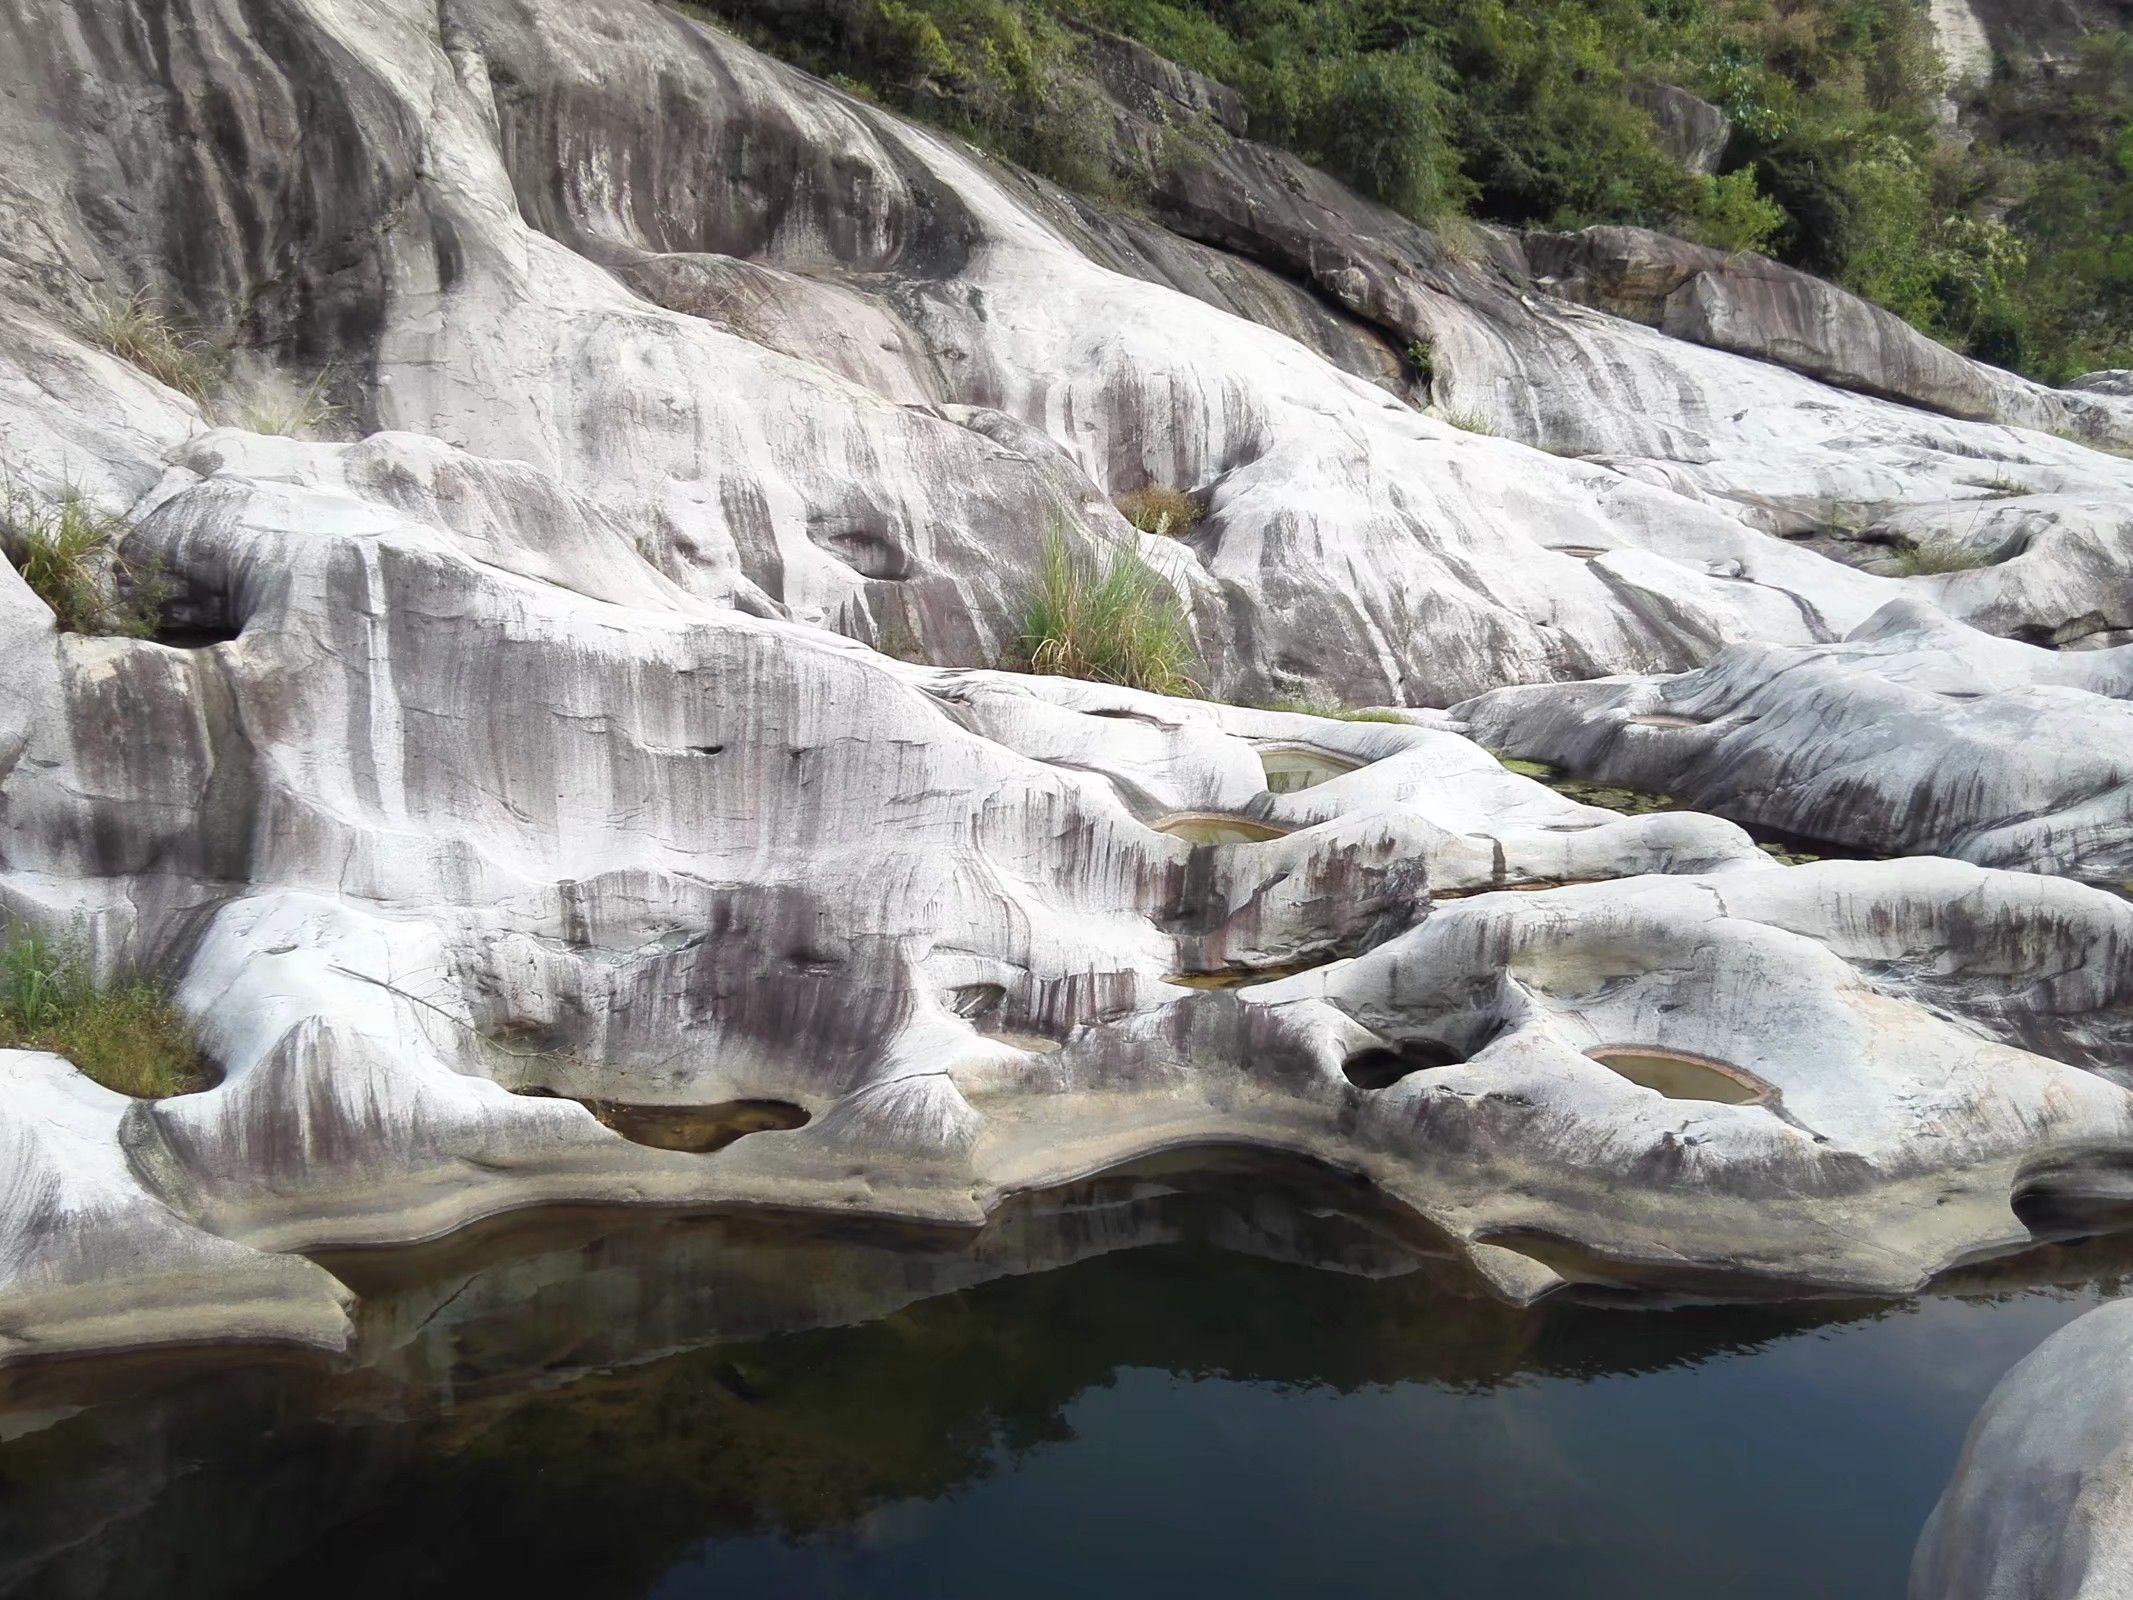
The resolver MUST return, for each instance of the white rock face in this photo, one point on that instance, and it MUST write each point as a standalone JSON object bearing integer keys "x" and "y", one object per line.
{"x": 2041, "y": 1505}
{"x": 91, "y": 1260}
{"x": 532, "y": 741}
{"x": 1964, "y": 45}
{"x": 1899, "y": 740}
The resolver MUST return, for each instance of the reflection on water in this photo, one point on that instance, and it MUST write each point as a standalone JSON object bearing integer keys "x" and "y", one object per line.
{"x": 1205, "y": 1381}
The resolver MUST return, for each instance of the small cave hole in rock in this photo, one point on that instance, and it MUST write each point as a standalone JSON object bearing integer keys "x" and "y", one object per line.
{"x": 1290, "y": 767}
{"x": 1219, "y": 827}
{"x": 1663, "y": 719}
{"x": 708, "y": 749}
{"x": 194, "y": 638}
{"x": 976, "y": 999}
{"x": 2075, "y": 1197}
{"x": 1382, "y": 1066}
{"x": 694, "y": 1130}
{"x": 1680, "y": 1076}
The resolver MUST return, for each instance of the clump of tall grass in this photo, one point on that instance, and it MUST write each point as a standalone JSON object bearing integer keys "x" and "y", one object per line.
{"x": 1159, "y": 510}
{"x": 127, "y": 1037}
{"x": 68, "y": 553}
{"x": 1108, "y": 617}
{"x": 1922, "y": 560}
{"x": 136, "y": 329}
{"x": 1470, "y": 421}
{"x": 294, "y": 414}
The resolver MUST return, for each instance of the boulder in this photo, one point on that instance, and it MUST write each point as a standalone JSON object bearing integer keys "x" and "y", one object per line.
{"x": 1895, "y": 741}
{"x": 1694, "y": 132}
{"x": 2041, "y": 1503}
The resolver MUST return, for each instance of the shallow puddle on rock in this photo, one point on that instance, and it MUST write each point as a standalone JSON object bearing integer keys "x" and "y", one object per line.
{"x": 1245, "y": 977}
{"x": 1293, "y": 767}
{"x": 1219, "y": 827}
{"x": 1682, "y": 1077}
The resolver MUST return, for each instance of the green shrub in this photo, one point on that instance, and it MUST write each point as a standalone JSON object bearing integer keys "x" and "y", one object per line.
{"x": 1110, "y": 618}
{"x": 127, "y": 1037}
{"x": 1159, "y": 510}
{"x": 1378, "y": 123}
{"x": 1733, "y": 215}
{"x": 136, "y": 329}
{"x": 68, "y": 553}
{"x": 1467, "y": 420}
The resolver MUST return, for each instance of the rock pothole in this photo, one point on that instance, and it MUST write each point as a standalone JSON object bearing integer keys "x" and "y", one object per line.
{"x": 1219, "y": 827}
{"x": 1678, "y": 1075}
{"x": 694, "y": 1130}
{"x": 1293, "y": 767}
{"x": 1382, "y": 1066}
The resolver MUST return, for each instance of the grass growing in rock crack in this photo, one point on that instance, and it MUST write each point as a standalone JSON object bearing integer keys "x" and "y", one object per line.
{"x": 1921, "y": 560}
{"x": 1159, "y": 510}
{"x": 1108, "y": 617}
{"x": 68, "y": 553}
{"x": 136, "y": 329}
{"x": 126, "y": 1036}
{"x": 1467, "y": 421}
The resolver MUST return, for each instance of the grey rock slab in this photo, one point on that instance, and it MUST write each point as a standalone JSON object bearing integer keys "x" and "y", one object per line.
{"x": 1915, "y": 734}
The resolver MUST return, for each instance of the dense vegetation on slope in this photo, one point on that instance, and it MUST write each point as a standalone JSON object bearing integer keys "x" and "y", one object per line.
{"x": 2013, "y": 246}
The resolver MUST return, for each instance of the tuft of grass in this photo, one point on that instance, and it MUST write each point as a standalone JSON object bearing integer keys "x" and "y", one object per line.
{"x": 1921, "y": 560}
{"x": 1468, "y": 421}
{"x": 136, "y": 329}
{"x": 1313, "y": 708}
{"x": 293, "y": 416}
{"x": 68, "y": 553}
{"x": 127, "y": 1037}
{"x": 2006, "y": 488}
{"x": 1110, "y": 618}
{"x": 1158, "y": 510}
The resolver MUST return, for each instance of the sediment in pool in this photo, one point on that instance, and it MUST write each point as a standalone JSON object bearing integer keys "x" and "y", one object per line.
{"x": 1681, "y": 1076}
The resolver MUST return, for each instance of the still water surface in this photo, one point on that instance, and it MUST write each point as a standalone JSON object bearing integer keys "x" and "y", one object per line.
{"x": 1165, "y": 1384}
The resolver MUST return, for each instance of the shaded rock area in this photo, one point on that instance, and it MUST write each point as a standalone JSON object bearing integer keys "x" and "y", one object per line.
{"x": 2039, "y": 35}
{"x": 615, "y": 701}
